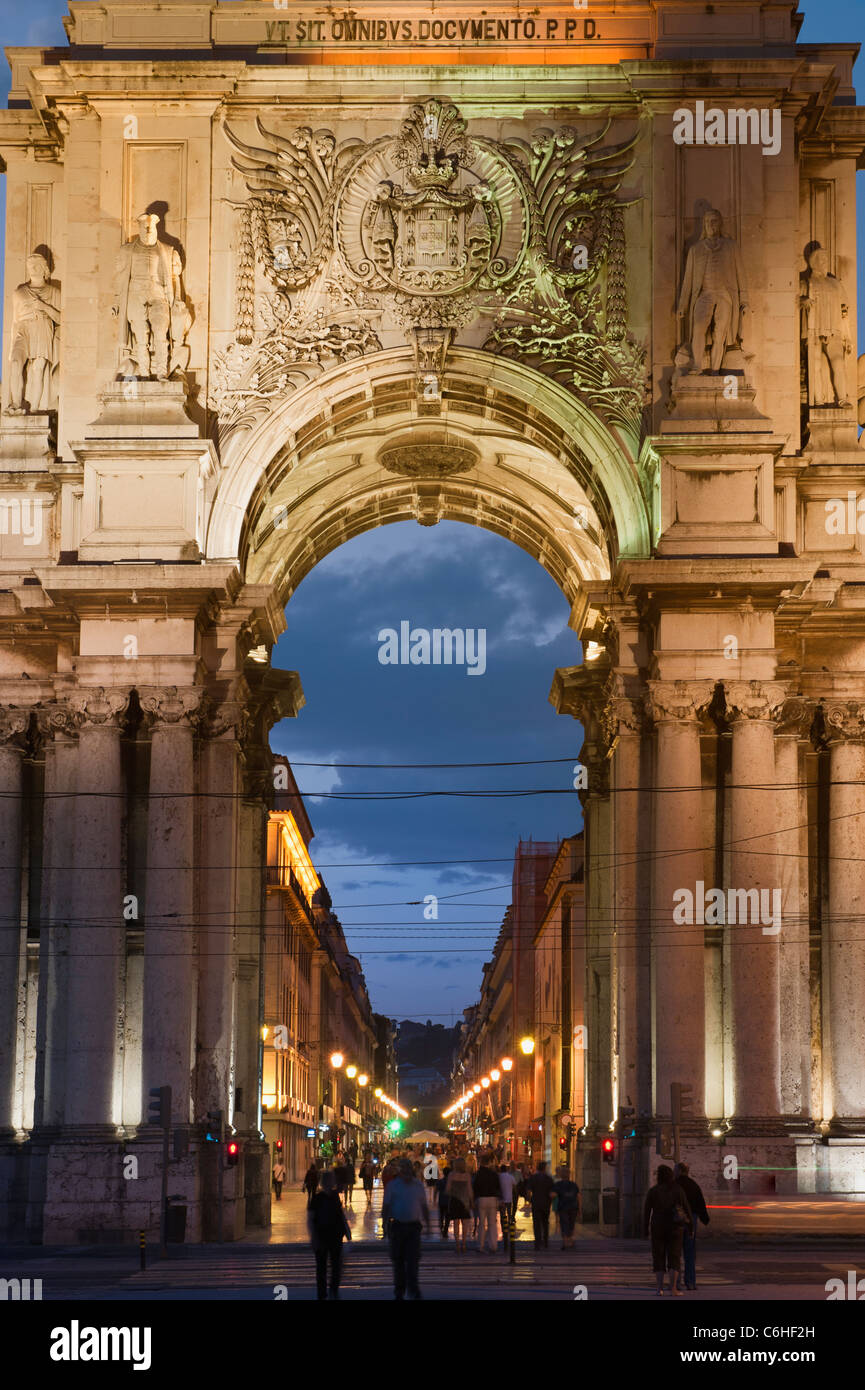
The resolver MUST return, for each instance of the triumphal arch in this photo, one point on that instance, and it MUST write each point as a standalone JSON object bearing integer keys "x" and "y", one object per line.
{"x": 580, "y": 274}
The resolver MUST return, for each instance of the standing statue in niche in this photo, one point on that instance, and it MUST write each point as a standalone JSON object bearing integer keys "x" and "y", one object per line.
{"x": 714, "y": 299}
{"x": 825, "y": 331}
{"x": 152, "y": 313}
{"x": 35, "y": 319}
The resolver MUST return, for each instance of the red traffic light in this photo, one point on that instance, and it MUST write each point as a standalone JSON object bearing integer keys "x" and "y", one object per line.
{"x": 232, "y": 1150}
{"x": 279, "y": 1146}
{"x": 608, "y": 1150}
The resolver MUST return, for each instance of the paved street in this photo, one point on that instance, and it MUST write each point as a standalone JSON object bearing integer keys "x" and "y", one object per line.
{"x": 255, "y": 1271}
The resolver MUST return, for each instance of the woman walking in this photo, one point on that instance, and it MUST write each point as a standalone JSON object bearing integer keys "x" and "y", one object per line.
{"x": 310, "y": 1182}
{"x": 460, "y": 1201}
{"x": 666, "y": 1217}
{"x": 367, "y": 1177}
{"x": 328, "y": 1228}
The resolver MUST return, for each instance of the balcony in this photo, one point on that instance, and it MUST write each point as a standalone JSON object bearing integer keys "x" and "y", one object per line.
{"x": 285, "y": 877}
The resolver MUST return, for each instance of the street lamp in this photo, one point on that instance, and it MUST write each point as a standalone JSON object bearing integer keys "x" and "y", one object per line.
{"x": 363, "y": 1079}
{"x": 507, "y": 1063}
{"x": 351, "y": 1072}
{"x": 527, "y": 1046}
{"x": 336, "y": 1059}
{"x": 485, "y": 1081}
{"x": 476, "y": 1088}
{"x": 496, "y": 1074}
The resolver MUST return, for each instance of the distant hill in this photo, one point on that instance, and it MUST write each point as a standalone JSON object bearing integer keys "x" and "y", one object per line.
{"x": 426, "y": 1045}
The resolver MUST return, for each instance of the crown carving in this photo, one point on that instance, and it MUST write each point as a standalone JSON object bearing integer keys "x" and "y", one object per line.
{"x": 433, "y": 145}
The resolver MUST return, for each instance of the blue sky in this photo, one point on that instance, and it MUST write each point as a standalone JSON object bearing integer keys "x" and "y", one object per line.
{"x": 359, "y": 711}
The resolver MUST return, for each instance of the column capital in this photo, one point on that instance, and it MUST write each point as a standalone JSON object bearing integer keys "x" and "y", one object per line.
{"x": 678, "y": 701}
{"x": 844, "y": 720}
{"x": 795, "y": 718}
{"x": 221, "y": 718}
{"x": 754, "y": 699}
{"x": 59, "y": 720}
{"x": 168, "y": 705}
{"x": 13, "y": 725}
{"x": 624, "y": 712}
{"x": 95, "y": 707}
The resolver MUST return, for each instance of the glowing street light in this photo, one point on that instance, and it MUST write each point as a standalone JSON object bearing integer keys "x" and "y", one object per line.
{"x": 351, "y": 1072}
{"x": 527, "y": 1046}
{"x": 476, "y": 1088}
{"x": 336, "y": 1059}
{"x": 495, "y": 1074}
{"x": 485, "y": 1081}
{"x": 377, "y": 1092}
{"x": 507, "y": 1063}
{"x": 363, "y": 1079}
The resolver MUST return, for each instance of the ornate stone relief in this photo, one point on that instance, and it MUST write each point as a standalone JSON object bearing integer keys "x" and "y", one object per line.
{"x": 678, "y": 700}
{"x": 434, "y": 455}
{"x": 844, "y": 720}
{"x": 754, "y": 699}
{"x": 434, "y": 228}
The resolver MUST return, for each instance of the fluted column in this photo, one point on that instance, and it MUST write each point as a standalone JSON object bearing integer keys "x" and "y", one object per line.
{"x": 96, "y": 935}
{"x": 59, "y": 729}
{"x": 220, "y": 784}
{"x": 13, "y": 723}
{"x": 754, "y": 945}
{"x": 169, "y": 929}
{"x": 792, "y": 730}
{"x": 845, "y": 728}
{"x": 678, "y": 946}
{"x": 624, "y": 721}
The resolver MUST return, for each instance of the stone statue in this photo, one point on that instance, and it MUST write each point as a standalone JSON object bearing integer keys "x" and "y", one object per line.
{"x": 825, "y": 330}
{"x": 35, "y": 317}
{"x": 714, "y": 298}
{"x": 383, "y": 229}
{"x": 152, "y": 312}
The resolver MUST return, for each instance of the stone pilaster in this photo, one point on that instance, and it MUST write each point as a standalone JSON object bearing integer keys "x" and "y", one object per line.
{"x": 13, "y": 724}
{"x": 169, "y": 928}
{"x": 845, "y": 938}
{"x": 791, "y": 732}
{"x": 754, "y": 944}
{"x": 678, "y": 948}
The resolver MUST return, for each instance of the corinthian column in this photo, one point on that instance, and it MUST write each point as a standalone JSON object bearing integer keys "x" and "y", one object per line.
{"x": 678, "y": 949}
{"x": 59, "y": 729}
{"x": 13, "y": 723}
{"x": 169, "y": 931}
{"x": 754, "y": 944}
{"x": 220, "y": 784}
{"x": 96, "y": 936}
{"x": 845, "y": 727}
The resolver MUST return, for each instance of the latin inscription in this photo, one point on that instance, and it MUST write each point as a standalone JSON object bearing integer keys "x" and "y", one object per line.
{"x": 380, "y": 31}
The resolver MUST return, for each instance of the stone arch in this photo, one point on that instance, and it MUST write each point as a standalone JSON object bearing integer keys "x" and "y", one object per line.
{"x": 547, "y": 473}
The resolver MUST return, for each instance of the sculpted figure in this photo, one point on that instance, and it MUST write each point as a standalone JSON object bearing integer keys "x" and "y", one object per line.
{"x": 478, "y": 235}
{"x": 714, "y": 297}
{"x": 383, "y": 229}
{"x": 825, "y": 331}
{"x": 35, "y": 317}
{"x": 153, "y": 317}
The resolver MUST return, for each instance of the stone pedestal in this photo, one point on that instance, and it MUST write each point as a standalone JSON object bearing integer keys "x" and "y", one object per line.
{"x": 26, "y": 443}
{"x": 722, "y": 404}
{"x": 135, "y": 409}
{"x": 832, "y": 436}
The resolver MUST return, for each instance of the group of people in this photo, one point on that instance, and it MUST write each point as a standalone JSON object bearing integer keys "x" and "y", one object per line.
{"x": 483, "y": 1193}
{"x": 673, "y": 1207}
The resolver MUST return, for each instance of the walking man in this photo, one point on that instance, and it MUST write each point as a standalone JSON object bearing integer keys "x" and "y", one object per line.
{"x": 405, "y": 1207}
{"x": 328, "y": 1228}
{"x": 278, "y": 1178}
{"x": 540, "y": 1186}
{"x": 487, "y": 1192}
{"x": 697, "y": 1203}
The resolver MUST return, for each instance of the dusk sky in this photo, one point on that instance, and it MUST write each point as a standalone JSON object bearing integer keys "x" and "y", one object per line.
{"x": 360, "y": 711}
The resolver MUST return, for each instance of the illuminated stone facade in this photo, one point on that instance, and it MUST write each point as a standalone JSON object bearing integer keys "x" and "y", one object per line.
{"x": 432, "y": 273}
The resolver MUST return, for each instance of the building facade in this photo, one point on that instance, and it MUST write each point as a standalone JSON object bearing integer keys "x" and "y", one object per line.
{"x": 276, "y": 278}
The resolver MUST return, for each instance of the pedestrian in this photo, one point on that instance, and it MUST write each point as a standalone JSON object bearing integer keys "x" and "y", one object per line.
{"x": 525, "y": 1191}
{"x": 278, "y": 1178}
{"x": 666, "y": 1216}
{"x": 340, "y": 1172}
{"x": 487, "y": 1194}
{"x": 310, "y": 1182}
{"x": 568, "y": 1203}
{"x": 367, "y": 1177}
{"x": 431, "y": 1173}
{"x": 507, "y": 1203}
{"x": 405, "y": 1212}
{"x": 697, "y": 1203}
{"x": 443, "y": 1200}
{"x": 460, "y": 1200}
{"x": 350, "y": 1180}
{"x": 540, "y": 1186}
{"x": 328, "y": 1228}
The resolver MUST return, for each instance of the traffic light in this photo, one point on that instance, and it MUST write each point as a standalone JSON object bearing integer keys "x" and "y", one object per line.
{"x": 608, "y": 1150}
{"x": 279, "y": 1146}
{"x": 159, "y": 1112}
{"x": 563, "y": 1142}
{"x": 232, "y": 1153}
{"x": 681, "y": 1100}
{"x": 214, "y": 1127}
